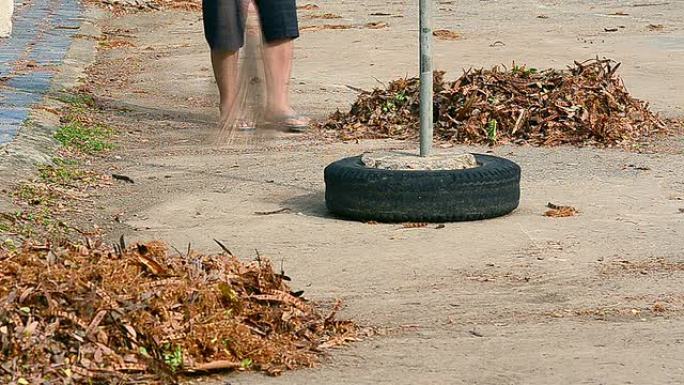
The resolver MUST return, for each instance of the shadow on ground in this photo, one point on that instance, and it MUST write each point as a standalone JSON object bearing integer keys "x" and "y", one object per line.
{"x": 183, "y": 115}
{"x": 312, "y": 204}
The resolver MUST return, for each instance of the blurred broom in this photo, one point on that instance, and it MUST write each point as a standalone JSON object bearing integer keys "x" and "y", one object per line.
{"x": 249, "y": 106}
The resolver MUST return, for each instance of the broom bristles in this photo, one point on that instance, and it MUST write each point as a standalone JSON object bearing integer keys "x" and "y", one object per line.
{"x": 249, "y": 104}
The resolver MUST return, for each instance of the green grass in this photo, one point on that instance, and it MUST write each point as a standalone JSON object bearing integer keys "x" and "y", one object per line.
{"x": 63, "y": 172}
{"x": 80, "y": 132}
{"x": 28, "y": 224}
{"x": 78, "y": 100}
{"x": 85, "y": 138}
{"x": 34, "y": 195}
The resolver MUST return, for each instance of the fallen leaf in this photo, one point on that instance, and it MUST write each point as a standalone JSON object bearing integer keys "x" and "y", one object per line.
{"x": 556, "y": 211}
{"x": 414, "y": 225}
{"x": 325, "y": 16}
{"x": 586, "y": 104}
{"x": 308, "y": 7}
{"x": 324, "y": 27}
{"x": 445, "y": 34}
{"x": 377, "y": 25}
{"x": 280, "y": 211}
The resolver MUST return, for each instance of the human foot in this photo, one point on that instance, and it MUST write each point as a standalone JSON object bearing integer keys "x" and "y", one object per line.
{"x": 288, "y": 121}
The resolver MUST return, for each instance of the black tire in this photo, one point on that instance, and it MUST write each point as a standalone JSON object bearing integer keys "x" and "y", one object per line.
{"x": 357, "y": 192}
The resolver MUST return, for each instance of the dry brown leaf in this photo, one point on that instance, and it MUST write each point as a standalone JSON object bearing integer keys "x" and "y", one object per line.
{"x": 115, "y": 43}
{"x": 214, "y": 366}
{"x": 324, "y": 27}
{"x": 445, "y": 34}
{"x": 151, "y": 265}
{"x": 308, "y": 7}
{"x": 279, "y": 211}
{"x": 585, "y": 104}
{"x": 377, "y": 25}
{"x": 414, "y": 225}
{"x": 324, "y": 16}
{"x": 556, "y": 211}
{"x": 128, "y": 325}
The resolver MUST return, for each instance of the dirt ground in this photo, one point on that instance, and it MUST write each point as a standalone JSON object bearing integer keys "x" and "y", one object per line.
{"x": 524, "y": 299}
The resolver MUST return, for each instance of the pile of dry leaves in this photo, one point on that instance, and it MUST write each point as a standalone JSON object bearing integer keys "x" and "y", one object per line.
{"x": 95, "y": 314}
{"x": 586, "y": 104}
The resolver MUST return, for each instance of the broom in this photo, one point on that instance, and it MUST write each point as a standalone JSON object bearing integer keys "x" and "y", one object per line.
{"x": 249, "y": 105}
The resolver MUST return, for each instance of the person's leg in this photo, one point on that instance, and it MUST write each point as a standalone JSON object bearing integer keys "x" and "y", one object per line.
{"x": 280, "y": 28}
{"x": 224, "y": 30}
{"x": 278, "y": 65}
{"x": 225, "y": 65}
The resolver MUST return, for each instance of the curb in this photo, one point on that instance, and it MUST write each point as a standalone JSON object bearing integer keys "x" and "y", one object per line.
{"x": 34, "y": 143}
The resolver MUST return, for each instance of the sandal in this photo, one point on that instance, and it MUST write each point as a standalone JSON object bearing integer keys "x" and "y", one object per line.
{"x": 290, "y": 123}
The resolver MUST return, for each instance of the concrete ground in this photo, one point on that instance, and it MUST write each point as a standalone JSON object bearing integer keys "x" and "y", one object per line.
{"x": 524, "y": 299}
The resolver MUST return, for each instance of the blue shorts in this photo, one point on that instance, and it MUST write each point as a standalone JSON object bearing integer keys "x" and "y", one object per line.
{"x": 224, "y": 22}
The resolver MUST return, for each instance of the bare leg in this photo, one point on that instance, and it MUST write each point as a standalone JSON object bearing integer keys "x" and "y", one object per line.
{"x": 225, "y": 66}
{"x": 278, "y": 67}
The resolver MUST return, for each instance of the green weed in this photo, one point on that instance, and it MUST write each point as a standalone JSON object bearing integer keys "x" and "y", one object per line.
{"x": 246, "y": 363}
{"x": 173, "y": 358}
{"x": 392, "y": 104}
{"x": 523, "y": 70}
{"x": 78, "y": 100}
{"x": 388, "y": 106}
{"x": 34, "y": 195}
{"x": 8, "y": 244}
{"x": 89, "y": 139}
{"x": 62, "y": 172}
{"x": 492, "y": 130}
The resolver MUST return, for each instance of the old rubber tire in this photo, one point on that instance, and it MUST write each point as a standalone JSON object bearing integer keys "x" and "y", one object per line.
{"x": 358, "y": 192}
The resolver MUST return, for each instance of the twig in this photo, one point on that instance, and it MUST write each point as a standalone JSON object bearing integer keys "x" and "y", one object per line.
{"x": 223, "y": 247}
{"x": 214, "y": 365}
{"x": 281, "y": 211}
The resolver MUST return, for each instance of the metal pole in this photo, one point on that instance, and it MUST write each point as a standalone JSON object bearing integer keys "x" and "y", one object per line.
{"x": 426, "y": 122}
